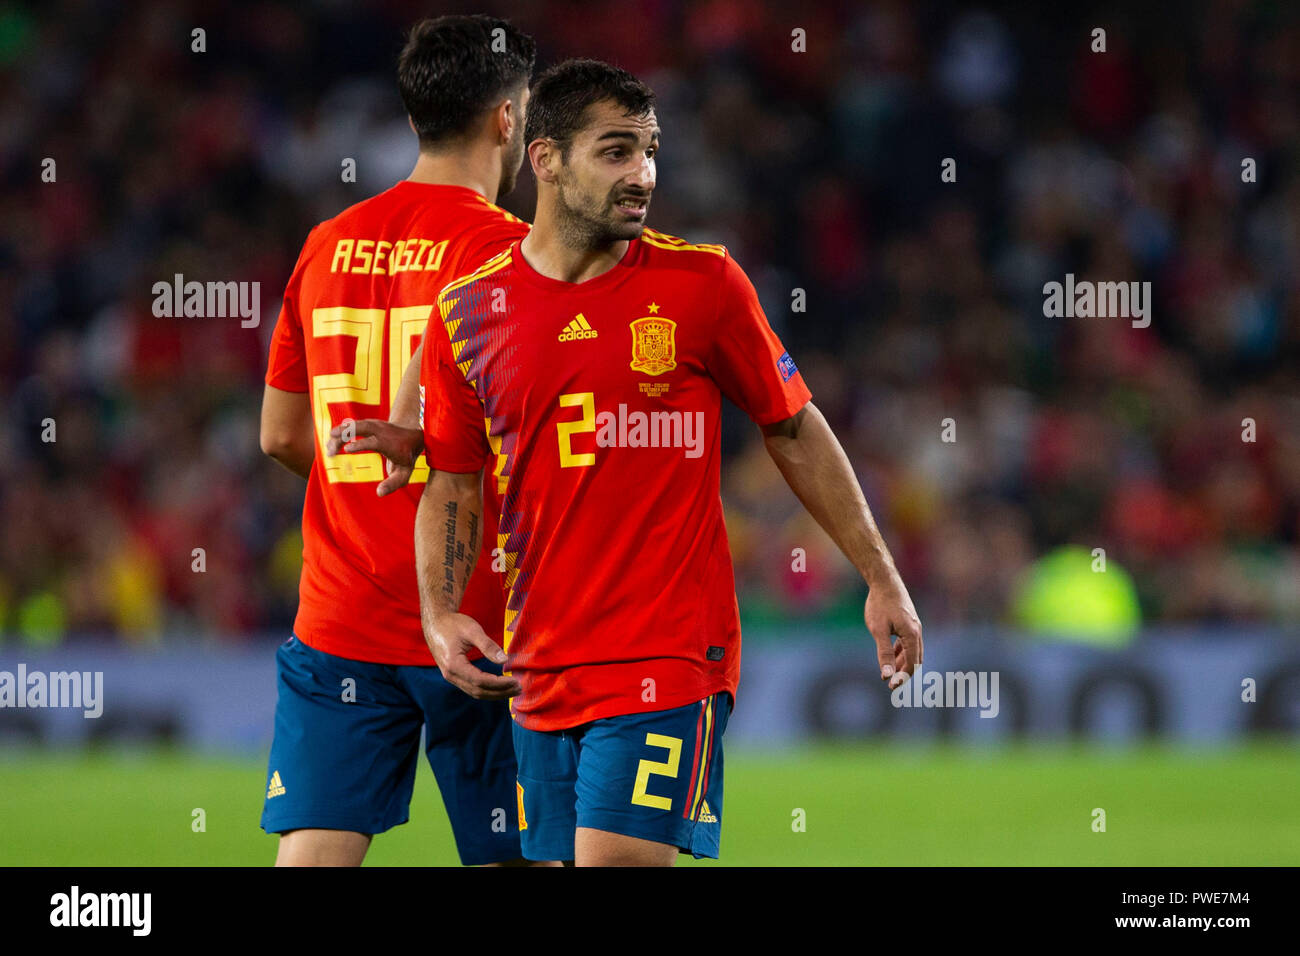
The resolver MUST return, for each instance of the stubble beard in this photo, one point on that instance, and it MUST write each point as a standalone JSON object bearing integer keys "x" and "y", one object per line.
{"x": 581, "y": 227}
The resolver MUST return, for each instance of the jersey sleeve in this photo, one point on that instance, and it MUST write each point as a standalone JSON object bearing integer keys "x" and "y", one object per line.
{"x": 450, "y": 411}
{"x": 286, "y": 363}
{"x": 746, "y": 359}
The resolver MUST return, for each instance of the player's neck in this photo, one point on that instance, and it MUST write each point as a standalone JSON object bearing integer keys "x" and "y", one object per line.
{"x": 548, "y": 255}
{"x": 551, "y": 251}
{"x": 479, "y": 173}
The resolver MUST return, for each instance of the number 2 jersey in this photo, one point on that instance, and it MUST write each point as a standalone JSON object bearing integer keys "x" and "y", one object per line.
{"x": 354, "y": 311}
{"x": 601, "y": 401}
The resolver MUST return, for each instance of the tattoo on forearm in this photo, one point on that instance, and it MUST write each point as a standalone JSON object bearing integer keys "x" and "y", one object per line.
{"x": 455, "y": 549}
{"x": 449, "y": 550}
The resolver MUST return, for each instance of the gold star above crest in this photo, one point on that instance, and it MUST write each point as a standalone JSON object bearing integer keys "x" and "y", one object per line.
{"x": 653, "y": 308}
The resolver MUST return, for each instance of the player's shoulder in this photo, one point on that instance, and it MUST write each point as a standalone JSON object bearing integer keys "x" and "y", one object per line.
{"x": 674, "y": 252}
{"x": 494, "y": 213}
{"x": 489, "y": 272}
{"x": 373, "y": 207}
{"x": 450, "y": 206}
{"x": 359, "y": 215}
{"x": 468, "y": 218}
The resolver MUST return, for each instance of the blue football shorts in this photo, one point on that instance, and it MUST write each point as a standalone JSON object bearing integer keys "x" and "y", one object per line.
{"x": 656, "y": 776}
{"x": 346, "y": 746}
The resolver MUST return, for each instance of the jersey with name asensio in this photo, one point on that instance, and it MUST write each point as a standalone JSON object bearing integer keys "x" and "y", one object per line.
{"x": 354, "y": 311}
{"x": 602, "y": 402}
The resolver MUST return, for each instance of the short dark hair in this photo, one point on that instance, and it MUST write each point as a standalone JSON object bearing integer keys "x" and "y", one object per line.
{"x": 454, "y": 67}
{"x": 561, "y": 95}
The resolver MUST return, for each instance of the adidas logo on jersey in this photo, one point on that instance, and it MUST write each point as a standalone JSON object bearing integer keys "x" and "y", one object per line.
{"x": 577, "y": 329}
{"x": 275, "y": 788}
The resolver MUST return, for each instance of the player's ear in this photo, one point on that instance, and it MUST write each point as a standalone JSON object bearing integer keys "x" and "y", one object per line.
{"x": 506, "y": 118}
{"x": 544, "y": 154}
{"x": 510, "y": 115}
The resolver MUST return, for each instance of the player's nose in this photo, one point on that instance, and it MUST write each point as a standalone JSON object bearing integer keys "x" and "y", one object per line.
{"x": 643, "y": 175}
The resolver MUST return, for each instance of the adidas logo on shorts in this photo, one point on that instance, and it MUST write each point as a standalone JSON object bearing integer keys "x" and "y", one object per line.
{"x": 707, "y": 815}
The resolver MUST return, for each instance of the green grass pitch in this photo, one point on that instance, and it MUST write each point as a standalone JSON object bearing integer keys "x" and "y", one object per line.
{"x": 872, "y": 805}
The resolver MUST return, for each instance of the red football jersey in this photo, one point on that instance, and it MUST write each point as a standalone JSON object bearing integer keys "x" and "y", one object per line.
{"x": 354, "y": 312}
{"x": 602, "y": 403}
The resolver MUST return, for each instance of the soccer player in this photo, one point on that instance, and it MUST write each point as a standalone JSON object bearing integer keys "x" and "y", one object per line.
{"x": 591, "y": 357}
{"x": 357, "y": 682}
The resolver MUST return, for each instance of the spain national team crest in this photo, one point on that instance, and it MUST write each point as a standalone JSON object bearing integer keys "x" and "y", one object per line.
{"x": 654, "y": 350}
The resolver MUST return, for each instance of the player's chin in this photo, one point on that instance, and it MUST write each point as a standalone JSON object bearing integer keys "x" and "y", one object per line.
{"x": 627, "y": 229}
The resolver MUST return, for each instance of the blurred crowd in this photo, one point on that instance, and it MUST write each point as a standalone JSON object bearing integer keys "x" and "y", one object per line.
{"x": 987, "y": 436}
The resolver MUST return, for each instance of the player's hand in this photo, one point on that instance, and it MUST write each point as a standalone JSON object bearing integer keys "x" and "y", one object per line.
{"x": 888, "y": 611}
{"x": 450, "y": 637}
{"x": 399, "y": 446}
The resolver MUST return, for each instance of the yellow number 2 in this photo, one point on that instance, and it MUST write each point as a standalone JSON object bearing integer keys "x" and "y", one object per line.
{"x": 360, "y": 385}
{"x": 568, "y": 429}
{"x": 648, "y": 768}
